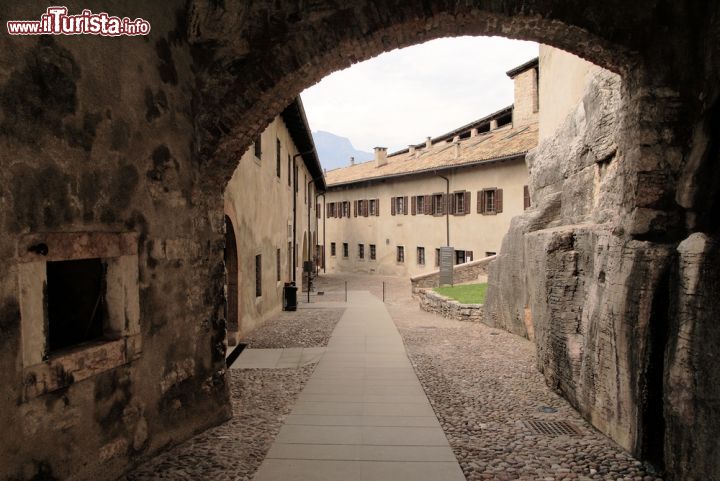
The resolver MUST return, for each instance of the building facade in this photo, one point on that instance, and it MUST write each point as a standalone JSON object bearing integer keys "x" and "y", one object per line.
{"x": 270, "y": 219}
{"x": 391, "y": 215}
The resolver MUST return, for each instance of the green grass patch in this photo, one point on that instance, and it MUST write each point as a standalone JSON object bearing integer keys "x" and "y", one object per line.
{"x": 465, "y": 293}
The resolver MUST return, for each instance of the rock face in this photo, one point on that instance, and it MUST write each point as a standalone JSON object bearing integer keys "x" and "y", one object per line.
{"x": 615, "y": 309}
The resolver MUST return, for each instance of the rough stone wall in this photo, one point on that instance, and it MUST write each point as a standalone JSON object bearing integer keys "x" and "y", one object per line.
{"x": 431, "y": 301}
{"x": 96, "y": 136}
{"x": 462, "y": 273}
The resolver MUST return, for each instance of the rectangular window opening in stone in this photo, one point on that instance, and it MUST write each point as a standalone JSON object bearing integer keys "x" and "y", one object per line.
{"x": 373, "y": 207}
{"x": 258, "y": 147}
{"x": 332, "y": 249}
{"x": 345, "y": 250}
{"x": 420, "y": 204}
{"x": 437, "y": 257}
{"x": 421, "y": 256}
{"x": 277, "y": 156}
{"x": 277, "y": 264}
{"x": 400, "y": 254}
{"x": 258, "y": 275}
{"x": 372, "y": 252}
{"x": 361, "y": 251}
{"x": 437, "y": 204}
{"x": 76, "y": 302}
{"x": 459, "y": 202}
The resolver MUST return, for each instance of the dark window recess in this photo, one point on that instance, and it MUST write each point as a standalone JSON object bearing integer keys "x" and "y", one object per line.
{"x": 277, "y": 155}
{"x": 400, "y": 254}
{"x": 76, "y": 306}
{"x": 421, "y": 256}
{"x": 258, "y": 147}
{"x": 332, "y": 249}
{"x": 277, "y": 263}
{"x": 345, "y": 249}
{"x": 372, "y": 252}
{"x": 361, "y": 251}
{"x": 258, "y": 275}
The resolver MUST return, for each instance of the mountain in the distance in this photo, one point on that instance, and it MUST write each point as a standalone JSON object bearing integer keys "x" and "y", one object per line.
{"x": 335, "y": 151}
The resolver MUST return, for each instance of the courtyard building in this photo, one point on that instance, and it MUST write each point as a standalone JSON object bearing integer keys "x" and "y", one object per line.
{"x": 391, "y": 215}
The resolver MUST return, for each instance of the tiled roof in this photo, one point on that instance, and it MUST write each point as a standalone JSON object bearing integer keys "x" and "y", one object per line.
{"x": 498, "y": 144}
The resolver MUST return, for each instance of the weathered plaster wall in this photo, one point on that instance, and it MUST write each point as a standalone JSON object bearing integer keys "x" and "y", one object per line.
{"x": 260, "y": 205}
{"x": 474, "y": 232}
{"x": 96, "y": 136}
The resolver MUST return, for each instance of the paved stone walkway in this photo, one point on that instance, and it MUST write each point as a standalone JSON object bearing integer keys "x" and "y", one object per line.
{"x": 363, "y": 415}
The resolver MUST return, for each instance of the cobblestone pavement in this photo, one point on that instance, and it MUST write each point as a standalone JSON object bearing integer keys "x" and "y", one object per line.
{"x": 483, "y": 384}
{"x": 261, "y": 398}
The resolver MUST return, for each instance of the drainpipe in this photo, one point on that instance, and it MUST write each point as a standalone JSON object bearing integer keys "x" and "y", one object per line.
{"x": 447, "y": 207}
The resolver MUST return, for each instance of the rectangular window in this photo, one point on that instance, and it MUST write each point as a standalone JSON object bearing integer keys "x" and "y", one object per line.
{"x": 346, "y": 208}
{"x": 332, "y": 249}
{"x": 258, "y": 275}
{"x": 373, "y": 207}
{"x": 277, "y": 262}
{"x": 76, "y": 307}
{"x": 421, "y": 256}
{"x": 490, "y": 201}
{"x": 459, "y": 257}
{"x": 438, "y": 204}
{"x": 258, "y": 147}
{"x": 420, "y": 204}
{"x": 346, "y": 250}
{"x": 372, "y": 252}
{"x": 361, "y": 251}
{"x": 399, "y": 205}
{"x": 459, "y": 202}
{"x": 400, "y": 254}
{"x": 277, "y": 156}
{"x": 437, "y": 257}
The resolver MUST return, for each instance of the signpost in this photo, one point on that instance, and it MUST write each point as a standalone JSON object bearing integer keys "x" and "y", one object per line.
{"x": 447, "y": 260}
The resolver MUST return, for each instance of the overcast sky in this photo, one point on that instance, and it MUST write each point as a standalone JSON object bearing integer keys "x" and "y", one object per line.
{"x": 403, "y": 96}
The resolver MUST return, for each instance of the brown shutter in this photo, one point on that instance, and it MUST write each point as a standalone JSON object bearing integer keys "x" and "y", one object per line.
{"x": 392, "y": 206}
{"x": 452, "y": 204}
{"x": 443, "y": 204}
{"x": 481, "y": 201}
{"x": 526, "y": 197}
{"x": 428, "y": 204}
{"x": 498, "y": 200}
{"x": 405, "y": 206}
{"x": 365, "y": 208}
{"x": 466, "y": 203}
{"x": 355, "y": 208}
{"x": 413, "y": 208}
{"x": 377, "y": 207}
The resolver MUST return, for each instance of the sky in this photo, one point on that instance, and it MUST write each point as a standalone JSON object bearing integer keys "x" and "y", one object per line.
{"x": 403, "y": 96}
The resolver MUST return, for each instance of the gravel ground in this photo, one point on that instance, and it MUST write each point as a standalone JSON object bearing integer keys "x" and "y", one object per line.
{"x": 306, "y": 327}
{"x": 261, "y": 398}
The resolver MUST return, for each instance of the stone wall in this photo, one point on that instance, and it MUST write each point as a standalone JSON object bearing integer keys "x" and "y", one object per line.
{"x": 462, "y": 273}
{"x": 431, "y": 301}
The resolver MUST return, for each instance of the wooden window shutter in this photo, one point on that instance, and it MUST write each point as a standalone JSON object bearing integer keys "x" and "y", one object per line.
{"x": 355, "y": 208}
{"x": 413, "y": 207}
{"x": 405, "y": 205}
{"x": 443, "y": 204}
{"x": 481, "y": 201}
{"x": 452, "y": 204}
{"x": 526, "y": 197}
{"x": 428, "y": 204}
{"x": 327, "y": 210}
{"x": 498, "y": 201}
{"x": 392, "y": 206}
{"x": 341, "y": 209}
{"x": 377, "y": 207}
{"x": 466, "y": 209}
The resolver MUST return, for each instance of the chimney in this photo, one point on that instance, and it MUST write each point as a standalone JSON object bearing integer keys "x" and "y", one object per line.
{"x": 380, "y": 156}
{"x": 428, "y": 143}
{"x": 411, "y": 150}
{"x": 493, "y": 124}
{"x": 473, "y": 132}
{"x": 352, "y": 161}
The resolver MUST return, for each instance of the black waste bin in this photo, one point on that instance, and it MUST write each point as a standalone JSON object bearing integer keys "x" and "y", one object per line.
{"x": 290, "y": 297}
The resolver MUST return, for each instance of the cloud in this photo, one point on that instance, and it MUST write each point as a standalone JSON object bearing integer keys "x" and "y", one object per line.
{"x": 405, "y": 95}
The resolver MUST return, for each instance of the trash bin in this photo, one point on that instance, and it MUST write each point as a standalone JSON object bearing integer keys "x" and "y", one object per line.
{"x": 289, "y": 297}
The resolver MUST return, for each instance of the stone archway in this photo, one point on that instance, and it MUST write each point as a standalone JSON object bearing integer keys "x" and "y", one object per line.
{"x": 142, "y": 136}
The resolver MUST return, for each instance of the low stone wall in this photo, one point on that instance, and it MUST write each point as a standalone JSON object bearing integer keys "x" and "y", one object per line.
{"x": 468, "y": 272}
{"x": 431, "y": 301}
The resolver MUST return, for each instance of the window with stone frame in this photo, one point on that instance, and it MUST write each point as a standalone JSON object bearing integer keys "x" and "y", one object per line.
{"x": 277, "y": 157}
{"x": 421, "y": 256}
{"x": 400, "y": 257}
{"x": 346, "y": 209}
{"x": 346, "y": 250}
{"x": 490, "y": 201}
{"x": 438, "y": 204}
{"x": 332, "y": 249}
{"x": 373, "y": 207}
{"x": 420, "y": 204}
{"x": 460, "y": 203}
{"x": 361, "y": 251}
{"x": 373, "y": 252}
{"x": 258, "y": 275}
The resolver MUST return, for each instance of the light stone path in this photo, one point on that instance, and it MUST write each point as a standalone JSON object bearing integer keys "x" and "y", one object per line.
{"x": 363, "y": 415}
